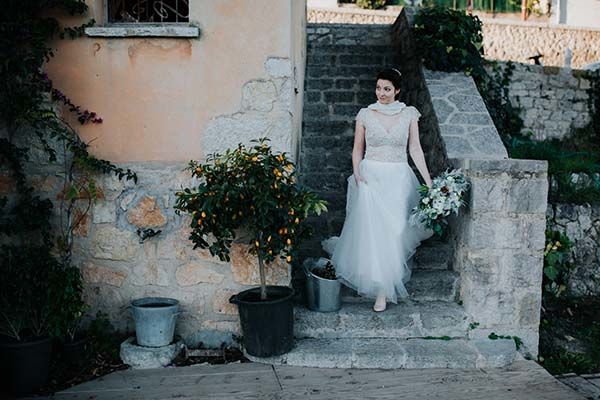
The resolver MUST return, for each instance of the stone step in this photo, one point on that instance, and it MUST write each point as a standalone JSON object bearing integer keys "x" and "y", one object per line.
{"x": 407, "y": 319}
{"x": 424, "y": 285}
{"x": 391, "y": 353}
{"x": 356, "y": 49}
{"x": 438, "y": 257}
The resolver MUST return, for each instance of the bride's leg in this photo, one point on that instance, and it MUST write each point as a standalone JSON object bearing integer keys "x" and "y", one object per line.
{"x": 380, "y": 303}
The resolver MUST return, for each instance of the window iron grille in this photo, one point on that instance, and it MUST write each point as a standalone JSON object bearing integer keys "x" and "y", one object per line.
{"x": 148, "y": 11}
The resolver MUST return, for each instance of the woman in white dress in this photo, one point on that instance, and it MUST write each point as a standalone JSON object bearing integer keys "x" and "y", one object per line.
{"x": 377, "y": 240}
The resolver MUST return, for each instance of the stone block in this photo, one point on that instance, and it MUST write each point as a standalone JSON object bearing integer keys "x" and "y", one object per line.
{"x": 529, "y": 309}
{"x": 471, "y": 119}
{"x": 339, "y": 97}
{"x": 110, "y": 243}
{"x": 104, "y": 212}
{"x": 527, "y": 196}
{"x": 93, "y": 273}
{"x": 443, "y": 110}
{"x": 221, "y": 304}
{"x": 245, "y": 270}
{"x": 146, "y": 214}
{"x": 258, "y": 95}
{"x": 81, "y": 222}
{"x": 487, "y": 141}
{"x": 140, "y": 357}
{"x": 194, "y": 273}
{"x": 150, "y": 272}
{"x": 488, "y": 194}
{"x": 468, "y": 103}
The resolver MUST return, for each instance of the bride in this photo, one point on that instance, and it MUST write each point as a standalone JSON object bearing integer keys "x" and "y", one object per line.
{"x": 377, "y": 240}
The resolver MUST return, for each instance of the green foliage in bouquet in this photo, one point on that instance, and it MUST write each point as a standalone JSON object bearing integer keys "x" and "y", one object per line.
{"x": 252, "y": 189}
{"x": 556, "y": 262}
{"x": 445, "y": 196}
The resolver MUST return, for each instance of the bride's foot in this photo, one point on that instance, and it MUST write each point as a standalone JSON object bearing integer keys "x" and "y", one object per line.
{"x": 380, "y": 304}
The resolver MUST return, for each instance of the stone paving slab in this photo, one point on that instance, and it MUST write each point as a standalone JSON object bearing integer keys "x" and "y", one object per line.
{"x": 391, "y": 353}
{"x": 402, "y": 320}
{"x": 522, "y": 380}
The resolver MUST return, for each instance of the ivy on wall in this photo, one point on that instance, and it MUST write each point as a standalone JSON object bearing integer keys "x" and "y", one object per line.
{"x": 452, "y": 41}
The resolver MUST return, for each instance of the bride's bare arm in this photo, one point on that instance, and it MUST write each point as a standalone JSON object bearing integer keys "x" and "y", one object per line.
{"x": 416, "y": 152}
{"x": 358, "y": 150}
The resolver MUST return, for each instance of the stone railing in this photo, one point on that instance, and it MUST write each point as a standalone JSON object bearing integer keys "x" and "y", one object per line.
{"x": 498, "y": 245}
{"x": 414, "y": 91}
{"x": 498, "y": 239}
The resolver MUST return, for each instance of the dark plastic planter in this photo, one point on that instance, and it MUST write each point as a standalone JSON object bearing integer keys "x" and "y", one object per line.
{"x": 25, "y": 364}
{"x": 74, "y": 353}
{"x": 267, "y": 326}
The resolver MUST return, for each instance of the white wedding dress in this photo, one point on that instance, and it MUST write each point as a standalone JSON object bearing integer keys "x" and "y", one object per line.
{"x": 377, "y": 240}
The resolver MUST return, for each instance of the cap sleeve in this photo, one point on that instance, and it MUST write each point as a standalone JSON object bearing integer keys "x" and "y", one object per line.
{"x": 414, "y": 114}
{"x": 361, "y": 116}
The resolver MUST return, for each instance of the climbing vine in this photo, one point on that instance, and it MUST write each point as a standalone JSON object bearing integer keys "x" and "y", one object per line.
{"x": 35, "y": 260}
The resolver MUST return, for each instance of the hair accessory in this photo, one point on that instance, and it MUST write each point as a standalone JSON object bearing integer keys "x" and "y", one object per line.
{"x": 399, "y": 74}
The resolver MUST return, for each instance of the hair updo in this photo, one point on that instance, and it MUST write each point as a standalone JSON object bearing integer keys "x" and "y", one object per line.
{"x": 393, "y": 75}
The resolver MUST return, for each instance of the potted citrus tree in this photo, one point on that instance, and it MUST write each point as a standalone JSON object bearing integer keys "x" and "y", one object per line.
{"x": 255, "y": 190}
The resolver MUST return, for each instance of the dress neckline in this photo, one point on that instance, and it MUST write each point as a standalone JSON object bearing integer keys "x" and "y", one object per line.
{"x": 388, "y": 109}
{"x": 386, "y": 130}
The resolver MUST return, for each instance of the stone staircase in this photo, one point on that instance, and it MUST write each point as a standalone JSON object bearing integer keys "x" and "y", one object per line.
{"x": 431, "y": 330}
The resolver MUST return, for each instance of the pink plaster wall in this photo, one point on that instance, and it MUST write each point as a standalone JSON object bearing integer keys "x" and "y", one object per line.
{"x": 157, "y": 94}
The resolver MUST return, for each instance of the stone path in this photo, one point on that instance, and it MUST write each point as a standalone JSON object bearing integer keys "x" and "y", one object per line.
{"x": 523, "y": 380}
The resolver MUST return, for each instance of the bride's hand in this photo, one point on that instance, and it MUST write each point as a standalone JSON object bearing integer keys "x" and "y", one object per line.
{"x": 359, "y": 179}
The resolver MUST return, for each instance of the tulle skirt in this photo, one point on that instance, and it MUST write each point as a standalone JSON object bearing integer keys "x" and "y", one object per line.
{"x": 373, "y": 252}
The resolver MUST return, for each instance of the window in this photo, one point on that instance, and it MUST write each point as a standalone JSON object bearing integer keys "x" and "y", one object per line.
{"x": 148, "y": 11}
{"x": 146, "y": 18}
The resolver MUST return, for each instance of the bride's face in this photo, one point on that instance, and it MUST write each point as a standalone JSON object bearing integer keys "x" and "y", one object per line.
{"x": 385, "y": 91}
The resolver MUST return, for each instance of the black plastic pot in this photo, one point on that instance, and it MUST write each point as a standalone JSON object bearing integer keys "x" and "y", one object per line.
{"x": 267, "y": 325}
{"x": 25, "y": 364}
{"x": 74, "y": 353}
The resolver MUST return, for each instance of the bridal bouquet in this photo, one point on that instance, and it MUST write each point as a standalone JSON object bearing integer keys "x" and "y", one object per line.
{"x": 445, "y": 196}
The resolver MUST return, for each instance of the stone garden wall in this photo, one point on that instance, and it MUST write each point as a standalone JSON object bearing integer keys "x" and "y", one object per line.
{"x": 581, "y": 223}
{"x": 553, "y": 100}
{"x": 117, "y": 268}
{"x": 517, "y": 41}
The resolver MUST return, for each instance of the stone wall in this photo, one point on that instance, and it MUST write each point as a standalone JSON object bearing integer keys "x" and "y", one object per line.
{"x": 581, "y": 223}
{"x": 351, "y": 15}
{"x": 518, "y": 41}
{"x": 117, "y": 268}
{"x": 553, "y": 100}
{"x": 498, "y": 241}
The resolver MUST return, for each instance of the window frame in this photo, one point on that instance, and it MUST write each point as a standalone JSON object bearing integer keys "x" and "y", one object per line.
{"x": 142, "y": 29}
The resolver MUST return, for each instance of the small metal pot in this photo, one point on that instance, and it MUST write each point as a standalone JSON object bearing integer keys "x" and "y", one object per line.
{"x": 323, "y": 295}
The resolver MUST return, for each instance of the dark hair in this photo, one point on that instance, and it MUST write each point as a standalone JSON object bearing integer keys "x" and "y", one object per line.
{"x": 392, "y": 75}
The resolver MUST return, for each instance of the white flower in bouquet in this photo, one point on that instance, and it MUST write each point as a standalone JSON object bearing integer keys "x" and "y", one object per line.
{"x": 445, "y": 196}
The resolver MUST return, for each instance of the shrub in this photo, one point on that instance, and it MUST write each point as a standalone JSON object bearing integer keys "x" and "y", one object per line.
{"x": 252, "y": 189}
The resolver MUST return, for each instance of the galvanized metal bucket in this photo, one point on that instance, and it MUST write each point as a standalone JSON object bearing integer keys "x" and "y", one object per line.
{"x": 323, "y": 295}
{"x": 155, "y": 319}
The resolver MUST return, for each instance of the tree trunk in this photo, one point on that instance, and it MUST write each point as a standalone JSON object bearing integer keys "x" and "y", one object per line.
{"x": 261, "y": 270}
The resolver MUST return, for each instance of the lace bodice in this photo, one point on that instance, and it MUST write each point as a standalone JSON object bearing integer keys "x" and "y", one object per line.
{"x": 386, "y": 136}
